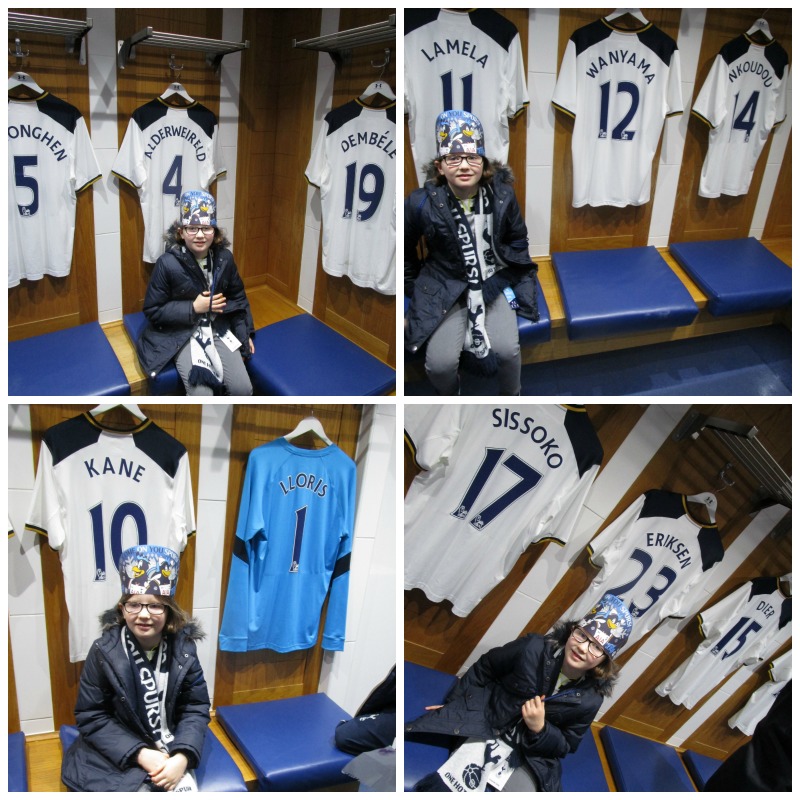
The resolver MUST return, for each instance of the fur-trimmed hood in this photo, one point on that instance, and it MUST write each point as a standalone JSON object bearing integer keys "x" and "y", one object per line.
{"x": 171, "y": 238}
{"x": 192, "y": 630}
{"x": 502, "y": 171}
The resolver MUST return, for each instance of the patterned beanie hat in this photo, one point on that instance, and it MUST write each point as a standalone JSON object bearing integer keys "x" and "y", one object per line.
{"x": 149, "y": 569}
{"x": 458, "y": 132}
{"x": 198, "y": 208}
{"x": 610, "y": 623}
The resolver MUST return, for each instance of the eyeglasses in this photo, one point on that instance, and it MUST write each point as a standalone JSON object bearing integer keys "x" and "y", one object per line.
{"x": 154, "y": 609}
{"x": 455, "y": 161}
{"x": 581, "y": 638}
{"x": 193, "y": 230}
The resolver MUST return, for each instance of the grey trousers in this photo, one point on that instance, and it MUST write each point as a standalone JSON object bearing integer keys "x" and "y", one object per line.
{"x": 234, "y": 373}
{"x": 447, "y": 341}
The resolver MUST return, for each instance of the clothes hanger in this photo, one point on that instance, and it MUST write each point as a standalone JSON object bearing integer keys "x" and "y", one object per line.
{"x": 379, "y": 88}
{"x": 708, "y": 499}
{"x": 131, "y": 408}
{"x": 309, "y": 425}
{"x": 175, "y": 95}
{"x": 761, "y": 26}
{"x": 22, "y": 86}
{"x": 632, "y": 12}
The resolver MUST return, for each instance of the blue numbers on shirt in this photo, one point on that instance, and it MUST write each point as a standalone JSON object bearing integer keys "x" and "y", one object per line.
{"x": 529, "y": 477}
{"x": 370, "y": 190}
{"x": 121, "y": 513}
{"x": 620, "y": 131}
{"x": 173, "y": 180}
{"x": 447, "y": 92}
{"x": 753, "y": 627}
{"x": 645, "y": 560}
{"x": 299, "y": 527}
{"x": 26, "y": 182}
{"x": 746, "y": 119}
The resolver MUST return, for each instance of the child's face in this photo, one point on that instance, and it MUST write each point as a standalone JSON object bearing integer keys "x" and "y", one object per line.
{"x": 199, "y": 243}
{"x": 146, "y": 627}
{"x": 462, "y": 175}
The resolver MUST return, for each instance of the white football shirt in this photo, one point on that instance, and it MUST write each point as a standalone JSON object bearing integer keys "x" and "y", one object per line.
{"x": 50, "y": 160}
{"x": 354, "y": 164}
{"x": 98, "y": 492}
{"x": 738, "y": 630}
{"x": 467, "y": 60}
{"x": 165, "y": 152}
{"x": 497, "y": 479}
{"x": 652, "y": 557}
{"x": 618, "y": 86}
{"x": 742, "y": 100}
{"x": 760, "y": 702}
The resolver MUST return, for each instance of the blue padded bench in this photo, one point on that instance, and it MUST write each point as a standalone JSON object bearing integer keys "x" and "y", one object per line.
{"x": 302, "y": 356}
{"x": 582, "y": 771}
{"x": 700, "y": 767}
{"x": 424, "y": 753}
{"x": 289, "y": 743}
{"x": 737, "y": 275}
{"x": 642, "y": 765}
{"x": 216, "y": 772}
{"x": 17, "y": 763}
{"x": 165, "y": 382}
{"x": 74, "y": 361}
{"x": 625, "y": 291}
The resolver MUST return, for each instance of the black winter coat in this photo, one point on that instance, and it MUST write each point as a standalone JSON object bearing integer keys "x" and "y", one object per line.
{"x": 488, "y": 701}
{"x": 103, "y": 757}
{"x": 436, "y": 283}
{"x": 175, "y": 283}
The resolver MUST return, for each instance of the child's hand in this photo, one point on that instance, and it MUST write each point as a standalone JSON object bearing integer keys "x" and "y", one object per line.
{"x": 171, "y": 772}
{"x": 150, "y": 760}
{"x": 204, "y": 303}
{"x": 533, "y": 713}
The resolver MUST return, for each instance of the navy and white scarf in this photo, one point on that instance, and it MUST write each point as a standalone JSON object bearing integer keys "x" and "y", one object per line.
{"x": 206, "y": 364}
{"x": 475, "y": 241}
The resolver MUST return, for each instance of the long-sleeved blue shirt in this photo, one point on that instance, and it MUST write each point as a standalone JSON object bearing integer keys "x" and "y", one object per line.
{"x": 293, "y": 541}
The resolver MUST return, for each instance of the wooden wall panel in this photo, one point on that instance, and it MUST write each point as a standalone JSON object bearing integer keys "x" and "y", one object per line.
{"x": 779, "y": 219}
{"x": 436, "y": 638}
{"x": 265, "y": 674}
{"x": 144, "y": 78}
{"x": 698, "y": 218}
{"x": 276, "y": 117}
{"x": 362, "y": 315}
{"x": 604, "y": 227}
{"x": 180, "y": 421}
{"x": 51, "y": 304}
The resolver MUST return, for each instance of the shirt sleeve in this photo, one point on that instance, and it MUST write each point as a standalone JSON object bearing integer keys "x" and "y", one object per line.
{"x": 183, "y": 511}
{"x": 713, "y": 621}
{"x": 565, "y": 97}
{"x": 129, "y": 163}
{"x": 611, "y": 546}
{"x": 235, "y": 615}
{"x": 710, "y": 105}
{"x": 432, "y": 433}
{"x": 47, "y": 515}
{"x": 318, "y": 169}
{"x": 780, "y": 106}
{"x": 85, "y": 169}
{"x": 674, "y": 92}
{"x": 335, "y": 620}
{"x": 517, "y": 86}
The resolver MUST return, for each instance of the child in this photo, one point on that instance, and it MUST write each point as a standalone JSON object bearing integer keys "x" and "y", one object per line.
{"x": 527, "y": 704}
{"x": 143, "y": 705}
{"x": 196, "y": 306}
{"x": 477, "y": 272}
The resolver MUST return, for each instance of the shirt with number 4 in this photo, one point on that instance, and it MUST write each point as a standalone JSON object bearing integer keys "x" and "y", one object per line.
{"x": 738, "y": 630}
{"x": 742, "y": 100}
{"x": 165, "y": 152}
